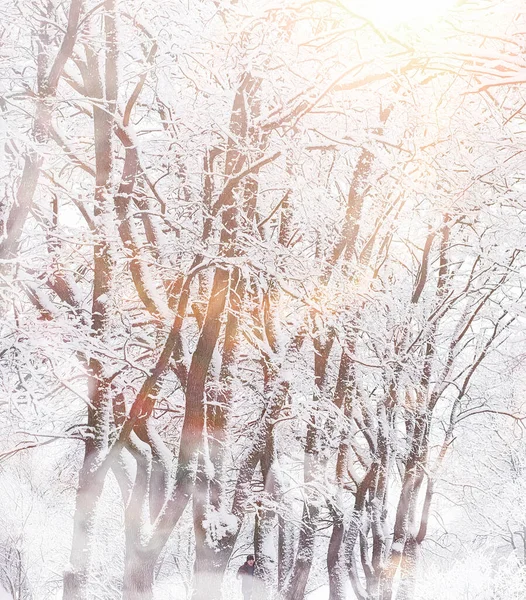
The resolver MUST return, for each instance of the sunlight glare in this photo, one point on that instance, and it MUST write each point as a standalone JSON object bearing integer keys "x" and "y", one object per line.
{"x": 394, "y": 13}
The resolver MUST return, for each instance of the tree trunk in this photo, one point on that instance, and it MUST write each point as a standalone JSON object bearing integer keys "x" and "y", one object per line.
{"x": 314, "y": 465}
{"x": 139, "y": 574}
{"x": 336, "y": 559}
{"x": 13, "y": 222}
{"x": 89, "y": 491}
{"x": 263, "y": 538}
{"x": 302, "y": 565}
{"x": 406, "y": 591}
{"x": 336, "y": 553}
{"x": 210, "y": 562}
{"x": 285, "y": 551}
{"x": 94, "y": 468}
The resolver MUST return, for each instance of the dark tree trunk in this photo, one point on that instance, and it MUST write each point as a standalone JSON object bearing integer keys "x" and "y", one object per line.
{"x": 285, "y": 551}
{"x": 336, "y": 559}
{"x": 300, "y": 573}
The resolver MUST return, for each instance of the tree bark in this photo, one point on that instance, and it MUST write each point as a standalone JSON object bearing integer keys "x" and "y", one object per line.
{"x": 89, "y": 490}
{"x": 95, "y": 467}
{"x": 47, "y": 89}
{"x": 139, "y": 574}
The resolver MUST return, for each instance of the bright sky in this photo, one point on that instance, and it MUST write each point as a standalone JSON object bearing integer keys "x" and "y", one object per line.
{"x": 393, "y": 13}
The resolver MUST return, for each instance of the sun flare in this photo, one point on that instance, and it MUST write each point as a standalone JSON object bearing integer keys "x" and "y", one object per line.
{"x": 394, "y": 13}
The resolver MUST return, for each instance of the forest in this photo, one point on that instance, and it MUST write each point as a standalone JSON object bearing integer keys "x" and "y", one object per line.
{"x": 262, "y": 292}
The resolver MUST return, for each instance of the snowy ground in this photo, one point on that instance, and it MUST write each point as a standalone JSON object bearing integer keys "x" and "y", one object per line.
{"x": 168, "y": 590}
{"x": 322, "y": 593}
